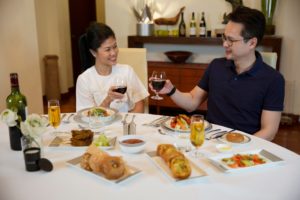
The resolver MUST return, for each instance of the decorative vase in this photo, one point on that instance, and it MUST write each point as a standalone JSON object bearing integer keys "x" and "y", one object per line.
{"x": 268, "y": 8}
{"x": 15, "y": 135}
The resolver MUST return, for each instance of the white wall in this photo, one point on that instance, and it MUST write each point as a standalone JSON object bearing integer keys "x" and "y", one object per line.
{"x": 53, "y": 28}
{"x": 19, "y": 51}
{"x": 286, "y": 16}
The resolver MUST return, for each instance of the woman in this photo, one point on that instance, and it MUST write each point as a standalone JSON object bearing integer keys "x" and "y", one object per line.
{"x": 96, "y": 84}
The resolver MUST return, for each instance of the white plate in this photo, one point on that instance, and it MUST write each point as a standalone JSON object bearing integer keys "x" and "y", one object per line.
{"x": 160, "y": 163}
{"x": 84, "y": 114}
{"x": 167, "y": 124}
{"x": 129, "y": 171}
{"x": 270, "y": 159}
{"x": 77, "y": 118}
{"x": 63, "y": 141}
{"x": 223, "y": 139}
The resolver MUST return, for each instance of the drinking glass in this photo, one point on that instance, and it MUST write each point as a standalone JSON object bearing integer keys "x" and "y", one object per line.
{"x": 197, "y": 135}
{"x": 54, "y": 113}
{"x": 120, "y": 86}
{"x": 158, "y": 82}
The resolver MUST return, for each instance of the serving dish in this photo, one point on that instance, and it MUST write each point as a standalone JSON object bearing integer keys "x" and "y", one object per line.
{"x": 268, "y": 158}
{"x": 223, "y": 139}
{"x": 130, "y": 171}
{"x": 167, "y": 124}
{"x": 197, "y": 172}
{"x": 63, "y": 141}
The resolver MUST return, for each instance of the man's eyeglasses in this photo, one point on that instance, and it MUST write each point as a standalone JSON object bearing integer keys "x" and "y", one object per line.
{"x": 229, "y": 40}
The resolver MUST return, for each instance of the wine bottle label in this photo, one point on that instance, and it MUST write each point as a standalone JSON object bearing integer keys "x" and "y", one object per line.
{"x": 202, "y": 31}
{"x": 192, "y": 31}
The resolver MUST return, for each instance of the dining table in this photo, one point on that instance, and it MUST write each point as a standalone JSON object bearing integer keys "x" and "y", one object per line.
{"x": 275, "y": 181}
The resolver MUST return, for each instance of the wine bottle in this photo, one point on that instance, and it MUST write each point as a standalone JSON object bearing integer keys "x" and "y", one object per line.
{"x": 182, "y": 28}
{"x": 16, "y": 102}
{"x": 193, "y": 26}
{"x": 202, "y": 32}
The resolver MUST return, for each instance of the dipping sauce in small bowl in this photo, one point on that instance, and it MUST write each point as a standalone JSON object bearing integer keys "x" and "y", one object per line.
{"x": 224, "y": 148}
{"x": 132, "y": 143}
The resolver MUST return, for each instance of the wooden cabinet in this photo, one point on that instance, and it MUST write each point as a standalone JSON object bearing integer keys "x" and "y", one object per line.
{"x": 184, "y": 76}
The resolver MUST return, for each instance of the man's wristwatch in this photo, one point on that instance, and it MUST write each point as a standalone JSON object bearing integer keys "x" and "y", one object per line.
{"x": 172, "y": 91}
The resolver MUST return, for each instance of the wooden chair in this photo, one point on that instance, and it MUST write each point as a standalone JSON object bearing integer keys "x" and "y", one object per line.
{"x": 136, "y": 58}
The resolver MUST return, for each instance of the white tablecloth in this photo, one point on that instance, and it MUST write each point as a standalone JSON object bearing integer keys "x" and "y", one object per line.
{"x": 276, "y": 182}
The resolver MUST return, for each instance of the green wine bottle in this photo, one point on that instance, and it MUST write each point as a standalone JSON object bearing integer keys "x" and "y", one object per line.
{"x": 193, "y": 26}
{"x": 16, "y": 102}
{"x": 182, "y": 28}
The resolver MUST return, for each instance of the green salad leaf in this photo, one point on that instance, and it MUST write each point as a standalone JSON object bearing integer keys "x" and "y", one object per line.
{"x": 102, "y": 140}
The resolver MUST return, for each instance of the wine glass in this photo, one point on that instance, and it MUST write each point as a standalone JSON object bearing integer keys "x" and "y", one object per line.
{"x": 158, "y": 82}
{"x": 54, "y": 113}
{"x": 197, "y": 135}
{"x": 120, "y": 86}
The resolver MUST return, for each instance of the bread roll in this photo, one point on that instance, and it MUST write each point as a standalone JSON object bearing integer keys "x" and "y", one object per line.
{"x": 234, "y": 137}
{"x": 180, "y": 168}
{"x": 161, "y": 148}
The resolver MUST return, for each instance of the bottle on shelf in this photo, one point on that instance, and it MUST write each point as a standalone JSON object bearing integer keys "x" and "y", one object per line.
{"x": 16, "y": 101}
{"x": 182, "y": 28}
{"x": 193, "y": 26}
{"x": 202, "y": 32}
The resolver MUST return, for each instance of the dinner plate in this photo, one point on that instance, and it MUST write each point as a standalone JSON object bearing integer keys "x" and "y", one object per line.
{"x": 63, "y": 141}
{"x": 160, "y": 163}
{"x": 167, "y": 124}
{"x": 111, "y": 114}
{"x": 78, "y": 118}
{"x": 223, "y": 139}
{"x": 130, "y": 171}
{"x": 269, "y": 158}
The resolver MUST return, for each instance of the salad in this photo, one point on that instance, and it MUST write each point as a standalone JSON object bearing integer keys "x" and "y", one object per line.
{"x": 98, "y": 112}
{"x": 243, "y": 160}
{"x": 102, "y": 141}
{"x": 181, "y": 122}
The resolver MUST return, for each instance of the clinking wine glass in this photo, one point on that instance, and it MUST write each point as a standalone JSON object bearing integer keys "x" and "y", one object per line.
{"x": 197, "y": 135}
{"x": 158, "y": 82}
{"x": 54, "y": 113}
{"x": 120, "y": 86}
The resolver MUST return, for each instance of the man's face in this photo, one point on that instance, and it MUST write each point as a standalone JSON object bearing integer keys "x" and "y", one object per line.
{"x": 234, "y": 44}
{"x": 107, "y": 53}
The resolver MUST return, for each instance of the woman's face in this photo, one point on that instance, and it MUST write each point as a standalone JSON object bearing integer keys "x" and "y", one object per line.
{"x": 107, "y": 53}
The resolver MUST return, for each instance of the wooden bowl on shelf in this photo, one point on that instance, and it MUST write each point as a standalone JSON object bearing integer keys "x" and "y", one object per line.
{"x": 178, "y": 56}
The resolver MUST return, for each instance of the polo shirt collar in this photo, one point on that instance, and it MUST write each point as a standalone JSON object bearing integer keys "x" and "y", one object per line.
{"x": 256, "y": 66}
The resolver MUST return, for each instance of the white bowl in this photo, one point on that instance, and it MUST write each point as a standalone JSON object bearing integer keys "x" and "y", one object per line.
{"x": 132, "y": 148}
{"x": 224, "y": 148}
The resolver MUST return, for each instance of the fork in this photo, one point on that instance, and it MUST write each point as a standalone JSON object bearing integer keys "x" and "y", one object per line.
{"x": 67, "y": 120}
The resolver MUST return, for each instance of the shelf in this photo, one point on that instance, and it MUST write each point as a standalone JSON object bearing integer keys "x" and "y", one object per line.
{"x": 273, "y": 42}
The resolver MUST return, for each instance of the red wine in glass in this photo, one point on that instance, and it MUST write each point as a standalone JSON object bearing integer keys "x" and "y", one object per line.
{"x": 158, "y": 82}
{"x": 120, "y": 89}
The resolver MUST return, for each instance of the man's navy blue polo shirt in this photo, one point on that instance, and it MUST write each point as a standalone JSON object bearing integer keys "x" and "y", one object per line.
{"x": 237, "y": 100}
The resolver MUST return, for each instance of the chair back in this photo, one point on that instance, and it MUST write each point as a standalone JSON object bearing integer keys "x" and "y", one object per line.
{"x": 269, "y": 58}
{"x": 137, "y": 59}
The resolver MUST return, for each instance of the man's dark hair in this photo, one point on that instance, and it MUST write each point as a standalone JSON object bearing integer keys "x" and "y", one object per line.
{"x": 97, "y": 33}
{"x": 253, "y": 20}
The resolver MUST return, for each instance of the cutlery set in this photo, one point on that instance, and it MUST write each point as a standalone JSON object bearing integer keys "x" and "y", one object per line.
{"x": 157, "y": 122}
{"x": 217, "y": 134}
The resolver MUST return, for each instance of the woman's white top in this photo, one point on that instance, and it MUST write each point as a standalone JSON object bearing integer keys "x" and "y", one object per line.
{"x": 92, "y": 88}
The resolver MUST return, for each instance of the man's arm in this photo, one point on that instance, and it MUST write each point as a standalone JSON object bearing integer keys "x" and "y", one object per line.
{"x": 269, "y": 124}
{"x": 190, "y": 100}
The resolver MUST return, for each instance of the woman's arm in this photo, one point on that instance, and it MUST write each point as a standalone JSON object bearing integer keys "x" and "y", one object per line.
{"x": 139, "y": 107}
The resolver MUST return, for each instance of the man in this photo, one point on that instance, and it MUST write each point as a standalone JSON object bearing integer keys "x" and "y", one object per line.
{"x": 243, "y": 92}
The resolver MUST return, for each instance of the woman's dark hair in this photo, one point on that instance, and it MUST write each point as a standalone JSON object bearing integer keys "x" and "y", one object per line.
{"x": 253, "y": 20}
{"x": 97, "y": 33}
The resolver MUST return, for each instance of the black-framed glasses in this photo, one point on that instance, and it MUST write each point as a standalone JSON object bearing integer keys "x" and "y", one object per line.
{"x": 229, "y": 40}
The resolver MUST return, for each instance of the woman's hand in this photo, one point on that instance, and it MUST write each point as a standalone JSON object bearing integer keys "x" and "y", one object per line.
{"x": 111, "y": 95}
